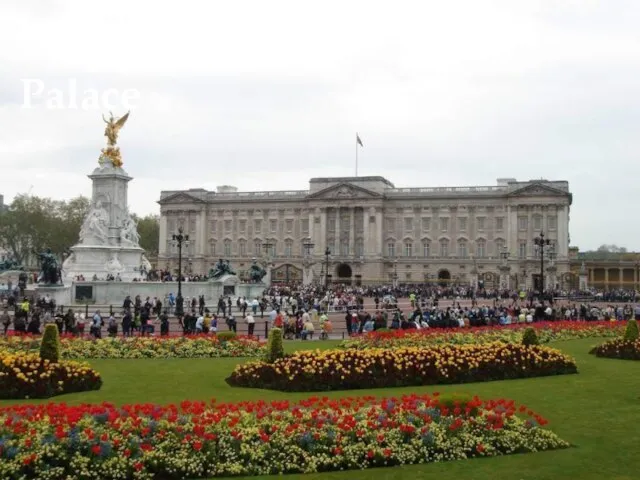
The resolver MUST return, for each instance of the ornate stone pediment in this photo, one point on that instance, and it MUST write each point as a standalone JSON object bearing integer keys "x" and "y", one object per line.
{"x": 180, "y": 198}
{"x": 344, "y": 191}
{"x": 538, "y": 190}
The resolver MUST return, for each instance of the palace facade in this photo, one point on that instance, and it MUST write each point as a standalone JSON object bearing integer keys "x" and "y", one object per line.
{"x": 377, "y": 233}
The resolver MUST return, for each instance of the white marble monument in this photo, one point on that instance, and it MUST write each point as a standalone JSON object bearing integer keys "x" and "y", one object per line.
{"x": 109, "y": 240}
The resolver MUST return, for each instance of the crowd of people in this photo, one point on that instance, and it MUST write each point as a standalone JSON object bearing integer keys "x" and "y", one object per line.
{"x": 304, "y": 311}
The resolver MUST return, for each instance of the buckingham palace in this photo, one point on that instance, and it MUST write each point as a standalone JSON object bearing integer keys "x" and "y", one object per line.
{"x": 364, "y": 230}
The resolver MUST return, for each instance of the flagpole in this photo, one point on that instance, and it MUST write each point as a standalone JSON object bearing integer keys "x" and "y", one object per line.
{"x": 356, "y": 154}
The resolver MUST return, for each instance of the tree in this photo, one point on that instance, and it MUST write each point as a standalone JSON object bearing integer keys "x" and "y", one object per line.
{"x": 149, "y": 231}
{"x": 31, "y": 224}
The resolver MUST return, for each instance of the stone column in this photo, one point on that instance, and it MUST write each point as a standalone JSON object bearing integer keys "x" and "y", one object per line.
{"x": 621, "y": 277}
{"x": 201, "y": 228}
{"x": 606, "y": 278}
{"x": 336, "y": 240}
{"x": 352, "y": 231}
{"x": 365, "y": 231}
{"x": 321, "y": 236}
{"x": 379, "y": 238}
{"x": 562, "y": 221}
{"x": 162, "y": 242}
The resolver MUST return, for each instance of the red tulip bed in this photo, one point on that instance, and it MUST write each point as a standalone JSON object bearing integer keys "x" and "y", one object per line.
{"x": 197, "y": 439}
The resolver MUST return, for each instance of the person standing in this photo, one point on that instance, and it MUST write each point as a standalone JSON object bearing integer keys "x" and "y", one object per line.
{"x": 164, "y": 323}
{"x": 5, "y": 319}
{"x": 251, "y": 324}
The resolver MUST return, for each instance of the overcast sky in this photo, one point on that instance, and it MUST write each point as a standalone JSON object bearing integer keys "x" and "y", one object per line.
{"x": 264, "y": 95}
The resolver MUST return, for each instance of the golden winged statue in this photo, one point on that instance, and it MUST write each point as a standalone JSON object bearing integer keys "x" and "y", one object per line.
{"x": 113, "y": 127}
{"x": 112, "y": 152}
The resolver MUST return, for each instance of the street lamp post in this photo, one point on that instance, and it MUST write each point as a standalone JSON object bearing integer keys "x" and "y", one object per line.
{"x": 395, "y": 273}
{"x": 541, "y": 243}
{"x": 327, "y": 252}
{"x": 180, "y": 239}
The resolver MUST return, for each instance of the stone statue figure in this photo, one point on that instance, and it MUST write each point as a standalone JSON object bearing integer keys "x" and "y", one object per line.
{"x": 129, "y": 232}
{"x": 49, "y": 269}
{"x": 583, "y": 269}
{"x": 221, "y": 268}
{"x": 113, "y": 264}
{"x": 256, "y": 273}
{"x": 95, "y": 226}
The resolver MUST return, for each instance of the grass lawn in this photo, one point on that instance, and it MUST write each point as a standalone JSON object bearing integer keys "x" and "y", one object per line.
{"x": 598, "y": 411}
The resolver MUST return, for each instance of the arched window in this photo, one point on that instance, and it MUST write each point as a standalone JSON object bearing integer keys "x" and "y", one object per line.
{"x": 462, "y": 249}
{"x": 426, "y": 248}
{"x": 227, "y": 248}
{"x": 481, "y": 248}
{"x": 257, "y": 247}
{"x": 444, "y": 248}
{"x": 242, "y": 248}
{"x": 288, "y": 248}
{"x": 408, "y": 249}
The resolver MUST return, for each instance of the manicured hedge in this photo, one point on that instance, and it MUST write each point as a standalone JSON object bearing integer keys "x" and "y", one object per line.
{"x": 307, "y": 371}
{"x": 618, "y": 348}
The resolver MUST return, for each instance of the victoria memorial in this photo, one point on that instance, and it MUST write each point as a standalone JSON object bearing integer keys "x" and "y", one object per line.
{"x": 364, "y": 230}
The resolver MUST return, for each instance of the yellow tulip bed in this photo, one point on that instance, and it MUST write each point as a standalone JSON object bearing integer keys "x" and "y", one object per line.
{"x": 618, "y": 348}
{"x": 306, "y": 371}
{"x": 74, "y": 348}
{"x": 26, "y": 375}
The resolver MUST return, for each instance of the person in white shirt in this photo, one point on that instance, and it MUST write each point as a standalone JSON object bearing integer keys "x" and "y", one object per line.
{"x": 199, "y": 324}
{"x": 251, "y": 323}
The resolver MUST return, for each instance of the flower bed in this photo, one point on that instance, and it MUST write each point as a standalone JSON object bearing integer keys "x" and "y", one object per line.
{"x": 258, "y": 438}
{"x": 618, "y": 348}
{"x": 143, "y": 347}
{"x": 306, "y": 371}
{"x": 546, "y": 331}
{"x": 26, "y": 375}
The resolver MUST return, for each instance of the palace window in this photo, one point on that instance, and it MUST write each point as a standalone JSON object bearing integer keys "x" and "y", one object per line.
{"x": 391, "y": 249}
{"x": 523, "y": 223}
{"x": 426, "y": 249}
{"x": 192, "y": 225}
{"x": 227, "y": 247}
{"x": 408, "y": 224}
{"x": 359, "y": 248}
{"x": 344, "y": 247}
{"x": 227, "y": 226}
{"x": 462, "y": 224}
{"x": 288, "y": 248}
{"x": 304, "y": 225}
{"x": 552, "y": 222}
{"x": 462, "y": 248}
{"x": 273, "y": 225}
{"x": 289, "y": 225}
{"x": 242, "y": 246}
{"x": 408, "y": 249}
{"x": 257, "y": 247}
{"x": 444, "y": 248}
{"x": 212, "y": 248}
{"x": 257, "y": 226}
{"x": 480, "y": 223}
{"x": 444, "y": 224}
{"x": 213, "y": 224}
{"x": 391, "y": 224}
{"x": 537, "y": 222}
{"x": 499, "y": 247}
{"x": 522, "y": 250}
{"x": 426, "y": 224}
{"x": 481, "y": 248}
{"x": 242, "y": 226}
{"x": 499, "y": 224}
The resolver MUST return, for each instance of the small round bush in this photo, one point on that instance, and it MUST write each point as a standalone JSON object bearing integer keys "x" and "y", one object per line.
{"x": 226, "y": 336}
{"x": 275, "y": 350}
{"x": 50, "y": 345}
{"x": 631, "y": 333}
{"x": 529, "y": 337}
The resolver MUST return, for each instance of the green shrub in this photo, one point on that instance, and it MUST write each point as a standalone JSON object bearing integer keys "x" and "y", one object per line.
{"x": 631, "y": 333}
{"x": 226, "y": 336}
{"x": 275, "y": 350}
{"x": 50, "y": 345}
{"x": 529, "y": 337}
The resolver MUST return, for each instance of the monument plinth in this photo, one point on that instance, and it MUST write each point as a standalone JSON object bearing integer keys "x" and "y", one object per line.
{"x": 109, "y": 240}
